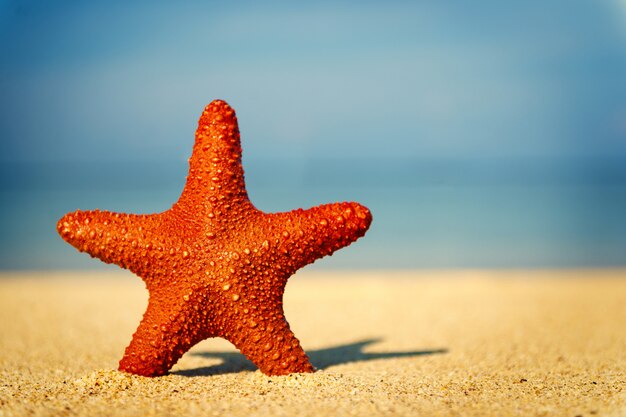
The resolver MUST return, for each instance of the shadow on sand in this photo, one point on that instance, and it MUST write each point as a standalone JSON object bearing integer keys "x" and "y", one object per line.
{"x": 321, "y": 358}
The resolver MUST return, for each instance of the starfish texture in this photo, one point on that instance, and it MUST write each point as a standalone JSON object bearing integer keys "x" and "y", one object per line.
{"x": 213, "y": 264}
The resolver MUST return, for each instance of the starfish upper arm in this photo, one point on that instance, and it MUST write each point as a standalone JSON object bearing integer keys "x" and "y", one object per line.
{"x": 123, "y": 239}
{"x": 321, "y": 229}
{"x": 215, "y": 168}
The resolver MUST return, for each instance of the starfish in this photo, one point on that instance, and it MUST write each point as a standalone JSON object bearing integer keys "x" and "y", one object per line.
{"x": 213, "y": 264}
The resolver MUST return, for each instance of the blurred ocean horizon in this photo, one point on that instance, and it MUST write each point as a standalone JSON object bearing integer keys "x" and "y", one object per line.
{"x": 428, "y": 212}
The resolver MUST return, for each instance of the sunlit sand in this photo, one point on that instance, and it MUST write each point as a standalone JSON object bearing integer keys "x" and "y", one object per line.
{"x": 386, "y": 343}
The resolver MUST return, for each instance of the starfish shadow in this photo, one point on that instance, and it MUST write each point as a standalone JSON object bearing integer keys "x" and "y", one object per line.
{"x": 322, "y": 358}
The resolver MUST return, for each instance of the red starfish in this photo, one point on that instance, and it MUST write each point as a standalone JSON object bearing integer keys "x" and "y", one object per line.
{"x": 213, "y": 264}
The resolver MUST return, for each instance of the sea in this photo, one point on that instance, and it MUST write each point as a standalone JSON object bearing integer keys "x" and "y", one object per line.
{"x": 429, "y": 213}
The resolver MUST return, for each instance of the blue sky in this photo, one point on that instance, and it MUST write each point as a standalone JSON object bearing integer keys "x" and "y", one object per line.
{"x": 101, "y": 80}
{"x": 395, "y": 94}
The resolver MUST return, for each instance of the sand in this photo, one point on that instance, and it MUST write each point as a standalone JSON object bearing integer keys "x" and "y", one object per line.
{"x": 461, "y": 343}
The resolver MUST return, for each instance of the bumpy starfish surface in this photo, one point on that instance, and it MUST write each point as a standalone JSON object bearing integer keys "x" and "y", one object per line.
{"x": 213, "y": 264}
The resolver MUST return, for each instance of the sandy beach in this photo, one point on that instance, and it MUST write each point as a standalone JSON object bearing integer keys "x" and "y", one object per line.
{"x": 459, "y": 343}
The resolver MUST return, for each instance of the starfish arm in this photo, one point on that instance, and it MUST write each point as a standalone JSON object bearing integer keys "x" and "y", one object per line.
{"x": 122, "y": 239}
{"x": 271, "y": 346}
{"x": 163, "y": 336}
{"x": 215, "y": 172}
{"x": 310, "y": 234}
